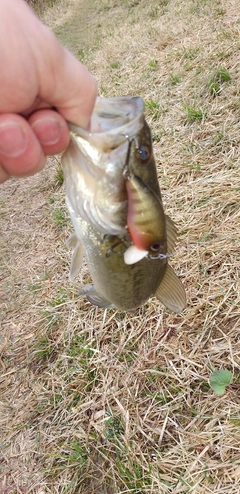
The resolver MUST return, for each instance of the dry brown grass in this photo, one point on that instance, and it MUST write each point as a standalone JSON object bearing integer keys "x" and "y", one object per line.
{"x": 98, "y": 401}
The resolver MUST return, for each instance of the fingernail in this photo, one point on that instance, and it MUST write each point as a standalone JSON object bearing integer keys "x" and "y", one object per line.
{"x": 47, "y": 130}
{"x": 13, "y": 140}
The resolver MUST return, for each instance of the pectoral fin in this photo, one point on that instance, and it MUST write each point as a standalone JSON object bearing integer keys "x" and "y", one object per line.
{"x": 171, "y": 291}
{"x": 74, "y": 243}
{"x": 94, "y": 298}
{"x": 171, "y": 235}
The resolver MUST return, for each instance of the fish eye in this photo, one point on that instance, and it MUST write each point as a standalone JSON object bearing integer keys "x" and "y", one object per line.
{"x": 155, "y": 247}
{"x": 143, "y": 153}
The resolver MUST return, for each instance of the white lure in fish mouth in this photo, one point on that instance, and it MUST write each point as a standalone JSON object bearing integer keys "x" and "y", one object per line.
{"x": 133, "y": 254}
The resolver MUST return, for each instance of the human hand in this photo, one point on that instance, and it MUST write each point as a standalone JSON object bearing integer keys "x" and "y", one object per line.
{"x": 41, "y": 86}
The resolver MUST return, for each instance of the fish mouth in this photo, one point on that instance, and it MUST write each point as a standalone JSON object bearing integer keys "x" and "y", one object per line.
{"x": 113, "y": 121}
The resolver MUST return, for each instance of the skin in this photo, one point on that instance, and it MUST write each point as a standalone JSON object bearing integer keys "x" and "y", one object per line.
{"x": 41, "y": 86}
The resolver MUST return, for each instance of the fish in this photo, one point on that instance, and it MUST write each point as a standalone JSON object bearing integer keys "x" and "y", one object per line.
{"x": 100, "y": 200}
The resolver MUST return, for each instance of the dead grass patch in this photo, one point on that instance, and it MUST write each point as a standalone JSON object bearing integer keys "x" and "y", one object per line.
{"x": 97, "y": 400}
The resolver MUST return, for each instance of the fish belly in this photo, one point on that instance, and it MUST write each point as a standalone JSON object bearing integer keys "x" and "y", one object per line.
{"x": 124, "y": 286}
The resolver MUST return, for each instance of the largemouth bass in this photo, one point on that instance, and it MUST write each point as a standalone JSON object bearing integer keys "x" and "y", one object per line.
{"x": 99, "y": 199}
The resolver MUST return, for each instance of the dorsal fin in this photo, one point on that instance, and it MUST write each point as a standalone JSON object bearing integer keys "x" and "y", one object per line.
{"x": 171, "y": 235}
{"x": 171, "y": 291}
{"x": 74, "y": 243}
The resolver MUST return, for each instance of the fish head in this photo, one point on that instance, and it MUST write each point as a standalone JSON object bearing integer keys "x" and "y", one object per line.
{"x": 94, "y": 161}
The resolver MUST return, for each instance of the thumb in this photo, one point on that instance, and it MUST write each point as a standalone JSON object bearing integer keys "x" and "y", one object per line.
{"x": 68, "y": 86}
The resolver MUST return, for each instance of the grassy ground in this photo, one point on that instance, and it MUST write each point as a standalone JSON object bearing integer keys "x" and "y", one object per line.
{"x": 98, "y": 401}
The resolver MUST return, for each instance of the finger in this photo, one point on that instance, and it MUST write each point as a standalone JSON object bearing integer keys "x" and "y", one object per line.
{"x": 20, "y": 150}
{"x": 69, "y": 86}
{"x": 36, "y": 105}
{"x": 51, "y": 130}
{"x": 3, "y": 174}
